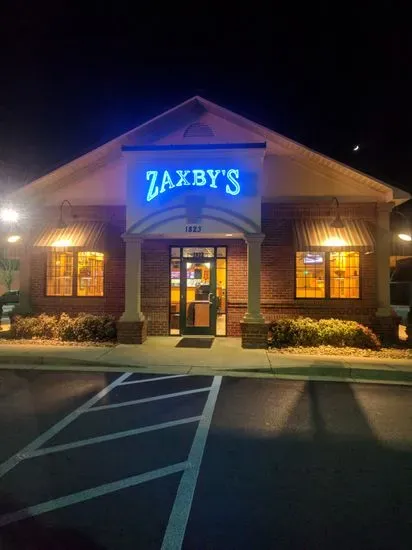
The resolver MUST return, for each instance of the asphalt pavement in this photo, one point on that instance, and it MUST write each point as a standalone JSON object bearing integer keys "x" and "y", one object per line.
{"x": 121, "y": 461}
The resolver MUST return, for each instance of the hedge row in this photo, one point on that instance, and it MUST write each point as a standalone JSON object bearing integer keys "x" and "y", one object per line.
{"x": 81, "y": 328}
{"x": 304, "y": 331}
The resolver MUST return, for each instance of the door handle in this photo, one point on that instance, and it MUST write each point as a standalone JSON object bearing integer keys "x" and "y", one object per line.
{"x": 210, "y": 298}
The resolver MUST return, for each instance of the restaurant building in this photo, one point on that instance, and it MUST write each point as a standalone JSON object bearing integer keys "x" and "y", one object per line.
{"x": 203, "y": 222}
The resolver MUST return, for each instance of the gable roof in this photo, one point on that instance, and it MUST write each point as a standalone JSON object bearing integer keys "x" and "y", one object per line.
{"x": 189, "y": 110}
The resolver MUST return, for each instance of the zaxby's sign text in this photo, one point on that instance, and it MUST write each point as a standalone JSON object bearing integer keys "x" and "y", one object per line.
{"x": 162, "y": 181}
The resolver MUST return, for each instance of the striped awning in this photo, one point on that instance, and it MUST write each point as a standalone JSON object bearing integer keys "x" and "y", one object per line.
{"x": 82, "y": 234}
{"x": 315, "y": 234}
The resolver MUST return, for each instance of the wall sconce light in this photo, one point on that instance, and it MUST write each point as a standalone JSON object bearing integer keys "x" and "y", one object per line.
{"x": 337, "y": 222}
{"x": 61, "y": 223}
{"x": 13, "y": 238}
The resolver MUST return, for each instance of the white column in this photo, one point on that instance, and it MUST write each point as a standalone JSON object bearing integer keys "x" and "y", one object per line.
{"x": 253, "y": 241}
{"x": 383, "y": 252}
{"x": 133, "y": 276}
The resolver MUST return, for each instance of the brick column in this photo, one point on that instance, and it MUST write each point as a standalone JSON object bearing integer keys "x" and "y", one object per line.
{"x": 254, "y": 332}
{"x": 132, "y": 325}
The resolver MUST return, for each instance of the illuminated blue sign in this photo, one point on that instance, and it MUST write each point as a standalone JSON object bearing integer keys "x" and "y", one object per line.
{"x": 164, "y": 180}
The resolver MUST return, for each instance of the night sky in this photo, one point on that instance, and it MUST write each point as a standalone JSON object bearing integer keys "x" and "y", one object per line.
{"x": 71, "y": 80}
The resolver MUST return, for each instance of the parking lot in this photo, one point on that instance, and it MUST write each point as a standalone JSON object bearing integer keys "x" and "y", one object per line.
{"x": 104, "y": 460}
{"x": 133, "y": 431}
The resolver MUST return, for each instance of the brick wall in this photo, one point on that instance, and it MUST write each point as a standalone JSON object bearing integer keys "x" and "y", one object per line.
{"x": 236, "y": 285}
{"x": 155, "y": 282}
{"x": 111, "y": 244}
{"x": 278, "y": 266}
{"x": 277, "y": 272}
{"x": 155, "y": 286}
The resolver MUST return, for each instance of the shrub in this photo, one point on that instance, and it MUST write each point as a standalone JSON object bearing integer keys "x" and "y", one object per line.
{"x": 43, "y": 326}
{"x": 96, "y": 328}
{"x": 304, "y": 331}
{"x": 65, "y": 329}
{"x": 82, "y": 328}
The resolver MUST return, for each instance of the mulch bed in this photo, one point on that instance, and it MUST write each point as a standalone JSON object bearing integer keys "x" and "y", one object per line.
{"x": 383, "y": 353}
{"x": 44, "y": 342}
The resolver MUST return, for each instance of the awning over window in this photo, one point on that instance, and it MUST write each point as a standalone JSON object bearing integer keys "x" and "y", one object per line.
{"x": 317, "y": 234}
{"x": 82, "y": 234}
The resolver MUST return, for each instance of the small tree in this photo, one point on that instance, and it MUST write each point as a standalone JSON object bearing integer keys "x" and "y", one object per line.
{"x": 7, "y": 270}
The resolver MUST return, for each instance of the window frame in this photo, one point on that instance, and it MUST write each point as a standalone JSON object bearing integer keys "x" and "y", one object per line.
{"x": 77, "y": 274}
{"x": 74, "y": 294}
{"x": 327, "y": 276}
{"x": 46, "y": 274}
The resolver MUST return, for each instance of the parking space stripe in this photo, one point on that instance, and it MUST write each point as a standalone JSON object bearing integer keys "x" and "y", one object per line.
{"x": 111, "y": 437}
{"x": 48, "y": 434}
{"x": 147, "y": 399}
{"x": 176, "y": 528}
{"x": 88, "y": 494}
{"x": 153, "y": 379}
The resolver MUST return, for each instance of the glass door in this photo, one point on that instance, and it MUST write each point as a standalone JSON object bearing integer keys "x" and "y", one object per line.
{"x": 198, "y": 296}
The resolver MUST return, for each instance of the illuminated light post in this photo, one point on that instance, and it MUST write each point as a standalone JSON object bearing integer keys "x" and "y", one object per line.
{"x": 9, "y": 215}
{"x": 405, "y": 233}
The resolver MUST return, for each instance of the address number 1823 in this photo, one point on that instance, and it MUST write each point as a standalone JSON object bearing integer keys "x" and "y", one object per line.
{"x": 193, "y": 229}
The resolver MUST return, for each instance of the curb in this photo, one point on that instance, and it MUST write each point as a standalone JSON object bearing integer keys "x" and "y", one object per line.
{"x": 42, "y": 360}
{"x": 336, "y": 374}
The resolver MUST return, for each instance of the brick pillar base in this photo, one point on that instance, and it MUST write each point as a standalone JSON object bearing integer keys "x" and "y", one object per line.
{"x": 254, "y": 335}
{"x": 131, "y": 332}
{"x": 387, "y": 328}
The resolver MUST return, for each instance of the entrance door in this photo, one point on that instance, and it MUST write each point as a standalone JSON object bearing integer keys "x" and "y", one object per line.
{"x": 198, "y": 297}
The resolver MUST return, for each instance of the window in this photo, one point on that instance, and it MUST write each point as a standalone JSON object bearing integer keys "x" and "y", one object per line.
{"x": 88, "y": 267}
{"x": 59, "y": 273}
{"x": 90, "y": 278}
{"x": 174, "y": 295}
{"x": 327, "y": 274}
{"x": 221, "y": 293}
{"x": 310, "y": 275}
{"x": 344, "y": 274}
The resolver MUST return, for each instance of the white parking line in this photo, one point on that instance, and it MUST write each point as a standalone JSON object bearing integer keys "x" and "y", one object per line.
{"x": 111, "y": 437}
{"x": 147, "y": 399}
{"x": 175, "y": 531}
{"x": 65, "y": 421}
{"x": 153, "y": 379}
{"x": 88, "y": 494}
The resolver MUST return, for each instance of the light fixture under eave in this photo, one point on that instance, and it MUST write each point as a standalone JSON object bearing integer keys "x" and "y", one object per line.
{"x": 61, "y": 243}
{"x": 13, "y": 238}
{"x": 405, "y": 237}
{"x": 334, "y": 241}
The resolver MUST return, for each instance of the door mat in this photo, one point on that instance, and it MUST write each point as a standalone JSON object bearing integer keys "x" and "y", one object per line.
{"x": 195, "y": 343}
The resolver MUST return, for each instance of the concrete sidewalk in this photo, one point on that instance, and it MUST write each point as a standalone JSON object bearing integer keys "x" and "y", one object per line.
{"x": 159, "y": 354}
